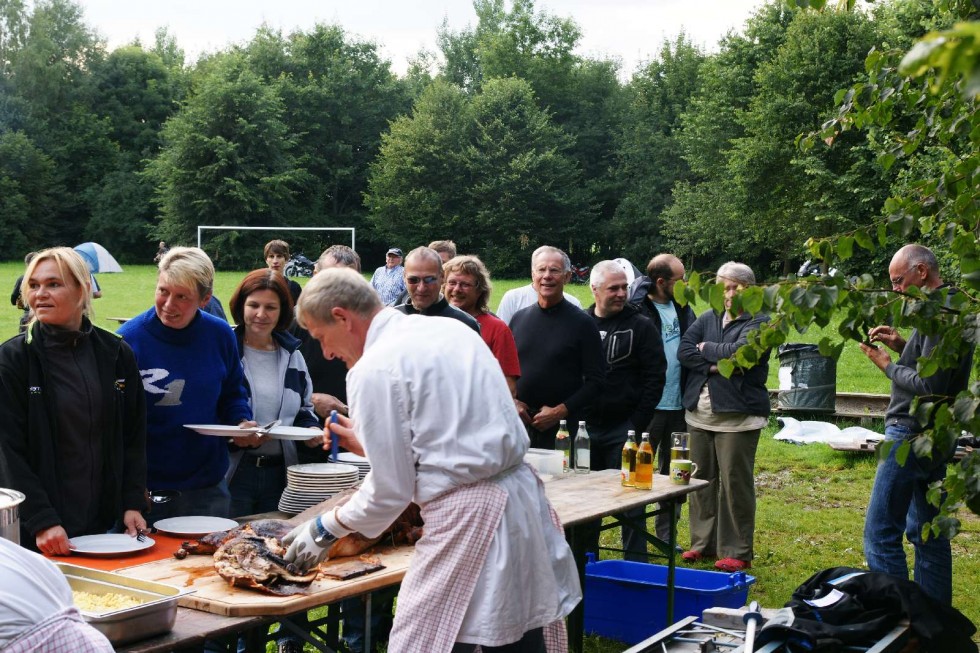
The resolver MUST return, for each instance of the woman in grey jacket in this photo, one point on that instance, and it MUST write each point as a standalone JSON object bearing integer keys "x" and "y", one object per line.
{"x": 725, "y": 418}
{"x": 279, "y": 388}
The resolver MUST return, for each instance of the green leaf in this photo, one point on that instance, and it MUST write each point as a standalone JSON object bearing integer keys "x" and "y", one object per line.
{"x": 726, "y": 367}
{"x": 716, "y": 298}
{"x": 863, "y": 239}
{"x": 845, "y": 247}
{"x": 752, "y": 299}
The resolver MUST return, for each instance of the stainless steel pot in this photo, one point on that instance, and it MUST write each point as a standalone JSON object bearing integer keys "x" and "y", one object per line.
{"x": 10, "y": 514}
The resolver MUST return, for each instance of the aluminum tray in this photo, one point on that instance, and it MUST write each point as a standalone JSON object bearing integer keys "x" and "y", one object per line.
{"x": 154, "y": 616}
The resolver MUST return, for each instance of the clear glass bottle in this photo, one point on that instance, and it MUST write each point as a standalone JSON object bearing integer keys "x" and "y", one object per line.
{"x": 583, "y": 450}
{"x": 563, "y": 443}
{"x": 628, "y": 469}
{"x": 644, "y": 464}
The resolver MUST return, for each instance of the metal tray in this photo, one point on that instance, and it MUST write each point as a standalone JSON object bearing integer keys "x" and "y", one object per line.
{"x": 154, "y": 616}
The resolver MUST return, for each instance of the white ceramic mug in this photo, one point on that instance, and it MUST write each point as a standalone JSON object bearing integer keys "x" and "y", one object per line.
{"x": 681, "y": 471}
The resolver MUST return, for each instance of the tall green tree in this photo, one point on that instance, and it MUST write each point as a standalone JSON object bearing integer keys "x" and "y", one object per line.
{"x": 651, "y": 157}
{"x": 583, "y": 96}
{"x": 47, "y": 72}
{"x": 228, "y": 159}
{"x": 28, "y": 195}
{"x": 492, "y": 171}
{"x": 701, "y": 221}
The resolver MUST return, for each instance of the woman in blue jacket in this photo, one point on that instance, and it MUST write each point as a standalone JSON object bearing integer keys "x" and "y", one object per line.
{"x": 279, "y": 388}
{"x": 725, "y": 418}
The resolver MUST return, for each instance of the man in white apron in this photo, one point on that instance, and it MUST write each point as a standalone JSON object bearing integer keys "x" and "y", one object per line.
{"x": 431, "y": 407}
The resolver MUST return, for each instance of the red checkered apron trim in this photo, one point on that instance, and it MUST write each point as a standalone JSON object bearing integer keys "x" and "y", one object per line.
{"x": 62, "y": 632}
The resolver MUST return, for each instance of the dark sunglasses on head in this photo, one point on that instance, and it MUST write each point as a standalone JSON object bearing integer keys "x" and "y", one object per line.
{"x": 429, "y": 280}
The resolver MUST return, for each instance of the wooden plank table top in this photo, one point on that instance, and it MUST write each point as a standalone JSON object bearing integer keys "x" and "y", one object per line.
{"x": 214, "y": 594}
{"x": 579, "y": 498}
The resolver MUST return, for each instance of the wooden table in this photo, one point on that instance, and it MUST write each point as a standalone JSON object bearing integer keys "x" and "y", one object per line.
{"x": 579, "y": 500}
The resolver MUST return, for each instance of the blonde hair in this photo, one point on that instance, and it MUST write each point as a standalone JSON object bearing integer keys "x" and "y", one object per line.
{"x": 71, "y": 266}
{"x": 473, "y": 266}
{"x": 190, "y": 267}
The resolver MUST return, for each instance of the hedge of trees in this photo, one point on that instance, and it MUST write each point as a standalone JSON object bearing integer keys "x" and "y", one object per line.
{"x": 503, "y": 140}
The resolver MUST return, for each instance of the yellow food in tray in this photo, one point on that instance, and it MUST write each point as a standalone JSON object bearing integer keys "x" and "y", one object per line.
{"x": 108, "y": 602}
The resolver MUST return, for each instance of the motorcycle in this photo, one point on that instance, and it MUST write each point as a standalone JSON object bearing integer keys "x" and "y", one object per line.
{"x": 298, "y": 266}
{"x": 580, "y": 274}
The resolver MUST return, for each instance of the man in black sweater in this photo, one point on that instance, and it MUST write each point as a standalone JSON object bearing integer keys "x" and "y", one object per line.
{"x": 562, "y": 371}
{"x": 424, "y": 278}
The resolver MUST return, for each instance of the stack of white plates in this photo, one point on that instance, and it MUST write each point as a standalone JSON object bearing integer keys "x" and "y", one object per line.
{"x": 362, "y": 464}
{"x": 313, "y": 483}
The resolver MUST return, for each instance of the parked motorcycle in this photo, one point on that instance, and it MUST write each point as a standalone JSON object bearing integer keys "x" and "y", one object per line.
{"x": 298, "y": 266}
{"x": 580, "y": 274}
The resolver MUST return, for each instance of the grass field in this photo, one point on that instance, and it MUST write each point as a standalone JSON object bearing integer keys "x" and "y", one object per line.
{"x": 811, "y": 499}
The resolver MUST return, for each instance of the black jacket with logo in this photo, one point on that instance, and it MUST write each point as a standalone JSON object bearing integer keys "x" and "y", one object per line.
{"x": 635, "y": 369}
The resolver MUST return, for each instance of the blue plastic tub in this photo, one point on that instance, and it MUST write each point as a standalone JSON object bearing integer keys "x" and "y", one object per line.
{"x": 627, "y": 601}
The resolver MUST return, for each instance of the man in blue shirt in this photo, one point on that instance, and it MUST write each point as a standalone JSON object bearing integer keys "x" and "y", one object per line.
{"x": 389, "y": 280}
{"x": 654, "y": 296}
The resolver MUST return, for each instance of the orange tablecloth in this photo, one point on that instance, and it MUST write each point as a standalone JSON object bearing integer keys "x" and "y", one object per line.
{"x": 163, "y": 547}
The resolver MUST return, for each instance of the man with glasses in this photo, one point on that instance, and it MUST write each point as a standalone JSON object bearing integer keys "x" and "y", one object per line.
{"x": 560, "y": 352}
{"x": 423, "y": 278}
{"x": 898, "y": 498}
{"x": 653, "y": 295}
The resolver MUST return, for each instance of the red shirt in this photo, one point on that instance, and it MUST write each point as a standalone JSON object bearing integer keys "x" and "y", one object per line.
{"x": 498, "y": 337}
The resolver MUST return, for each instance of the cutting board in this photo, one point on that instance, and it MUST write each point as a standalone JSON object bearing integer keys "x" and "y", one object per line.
{"x": 214, "y": 594}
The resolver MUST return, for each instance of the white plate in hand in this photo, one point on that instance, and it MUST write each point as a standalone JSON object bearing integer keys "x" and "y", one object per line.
{"x": 108, "y": 545}
{"x": 293, "y": 433}
{"x": 194, "y": 526}
{"x": 221, "y": 430}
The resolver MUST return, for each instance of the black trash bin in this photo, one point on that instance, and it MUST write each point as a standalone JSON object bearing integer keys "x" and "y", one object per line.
{"x": 807, "y": 380}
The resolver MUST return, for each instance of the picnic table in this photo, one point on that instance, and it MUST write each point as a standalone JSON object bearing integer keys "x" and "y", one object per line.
{"x": 216, "y": 609}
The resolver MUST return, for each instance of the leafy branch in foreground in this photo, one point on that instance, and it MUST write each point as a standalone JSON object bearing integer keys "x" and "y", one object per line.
{"x": 919, "y": 113}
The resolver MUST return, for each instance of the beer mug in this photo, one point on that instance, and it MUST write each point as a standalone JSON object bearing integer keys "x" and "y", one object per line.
{"x": 681, "y": 471}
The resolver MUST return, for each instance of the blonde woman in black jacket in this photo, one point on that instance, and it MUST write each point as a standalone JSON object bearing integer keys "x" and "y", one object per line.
{"x": 72, "y": 413}
{"x": 725, "y": 418}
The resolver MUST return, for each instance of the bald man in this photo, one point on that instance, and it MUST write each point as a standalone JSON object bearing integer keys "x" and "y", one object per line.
{"x": 898, "y": 499}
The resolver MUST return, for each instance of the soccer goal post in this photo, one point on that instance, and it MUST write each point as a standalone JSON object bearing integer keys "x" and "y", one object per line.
{"x": 313, "y": 255}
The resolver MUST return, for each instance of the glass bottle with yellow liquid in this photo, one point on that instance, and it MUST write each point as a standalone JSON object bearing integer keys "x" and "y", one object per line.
{"x": 628, "y": 469}
{"x": 644, "y": 464}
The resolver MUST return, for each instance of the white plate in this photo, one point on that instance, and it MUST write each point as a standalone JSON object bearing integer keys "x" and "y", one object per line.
{"x": 109, "y": 545}
{"x": 352, "y": 459}
{"x": 321, "y": 469}
{"x": 293, "y": 433}
{"x": 194, "y": 526}
{"x": 221, "y": 430}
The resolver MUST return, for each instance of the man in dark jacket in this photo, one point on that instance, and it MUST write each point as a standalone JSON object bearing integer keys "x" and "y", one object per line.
{"x": 423, "y": 278}
{"x": 898, "y": 498}
{"x": 635, "y": 368}
{"x": 653, "y": 295}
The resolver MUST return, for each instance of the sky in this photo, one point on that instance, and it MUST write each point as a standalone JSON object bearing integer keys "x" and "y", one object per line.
{"x": 629, "y": 30}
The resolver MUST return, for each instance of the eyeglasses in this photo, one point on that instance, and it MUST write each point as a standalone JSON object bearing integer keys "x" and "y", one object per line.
{"x": 898, "y": 281}
{"x": 464, "y": 285}
{"x": 429, "y": 280}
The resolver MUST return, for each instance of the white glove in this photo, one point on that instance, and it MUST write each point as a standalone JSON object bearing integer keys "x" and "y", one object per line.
{"x": 308, "y": 544}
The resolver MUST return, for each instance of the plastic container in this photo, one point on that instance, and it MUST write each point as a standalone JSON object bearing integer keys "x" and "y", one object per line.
{"x": 612, "y": 584}
{"x": 807, "y": 380}
{"x": 546, "y": 461}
